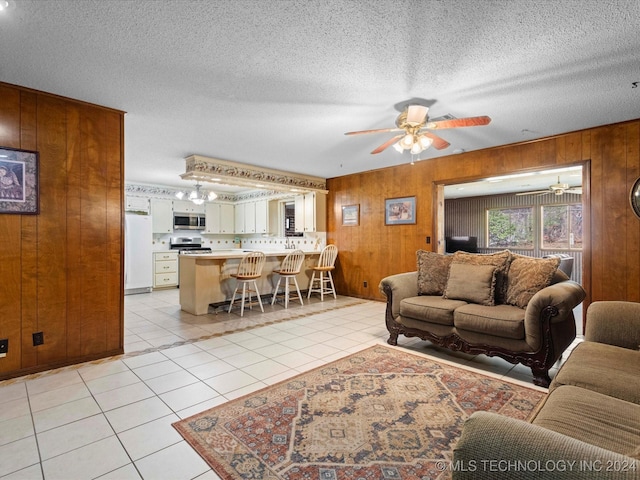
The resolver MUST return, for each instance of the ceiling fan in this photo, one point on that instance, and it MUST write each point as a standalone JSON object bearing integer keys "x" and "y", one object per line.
{"x": 556, "y": 189}
{"x": 414, "y": 124}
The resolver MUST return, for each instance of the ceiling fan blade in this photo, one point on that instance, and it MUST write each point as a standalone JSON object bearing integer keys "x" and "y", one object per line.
{"x": 535, "y": 192}
{"x": 460, "y": 122}
{"x": 386, "y": 144}
{"x": 438, "y": 142}
{"x": 379, "y": 130}
{"x": 574, "y": 190}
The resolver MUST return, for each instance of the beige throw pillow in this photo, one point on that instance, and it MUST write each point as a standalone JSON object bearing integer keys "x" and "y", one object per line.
{"x": 471, "y": 283}
{"x": 433, "y": 271}
{"x": 500, "y": 260}
{"x": 527, "y": 276}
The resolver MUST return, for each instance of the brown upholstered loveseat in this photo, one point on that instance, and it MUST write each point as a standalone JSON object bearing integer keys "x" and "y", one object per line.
{"x": 588, "y": 426}
{"x": 511, "y": 306}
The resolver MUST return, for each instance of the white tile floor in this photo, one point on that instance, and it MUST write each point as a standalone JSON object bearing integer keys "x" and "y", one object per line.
{"x": 112, "y": 419}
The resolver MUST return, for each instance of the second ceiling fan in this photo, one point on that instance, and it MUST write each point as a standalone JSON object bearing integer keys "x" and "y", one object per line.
{"x": 415, "y": 126}
{"x": 556, "y": 189}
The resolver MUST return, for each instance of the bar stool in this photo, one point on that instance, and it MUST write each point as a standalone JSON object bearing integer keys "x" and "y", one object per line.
{"x": 325, "y": 266}
{"x": 249, "y": 270}
{"x": 289, "y": 268}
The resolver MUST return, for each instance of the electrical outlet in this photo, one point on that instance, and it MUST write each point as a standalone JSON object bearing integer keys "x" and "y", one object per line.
{"x": 4, "y": 347}
{"x": 428, "y": 240}
{"x": 38, "y": 338}
{"x": 365, "y": 284}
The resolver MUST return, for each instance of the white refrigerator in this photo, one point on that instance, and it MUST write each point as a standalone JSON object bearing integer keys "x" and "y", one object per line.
{"x": 138, "y": 254}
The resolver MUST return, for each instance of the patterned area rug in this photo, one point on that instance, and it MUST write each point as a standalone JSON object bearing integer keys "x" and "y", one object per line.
{"x": 382, "y": 413}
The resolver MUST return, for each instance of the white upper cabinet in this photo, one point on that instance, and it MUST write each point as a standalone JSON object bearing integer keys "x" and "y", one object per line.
{"x": 220, "y": 218}
{"x": 161, "y": 215}
{"x": 136, "y": 204}
{"x": 311, "y": 212}
{"x": 262, "y": 216}
{"x": 187, "y": 206}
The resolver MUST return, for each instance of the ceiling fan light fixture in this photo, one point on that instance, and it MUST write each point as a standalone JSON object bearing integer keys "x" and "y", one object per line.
{"x": 180, "y": 195}
{"x": 425, "y": 142}
{"x": 416, "y": 148}
{"x": 398, "y": 147}
{"x": 407, "y": 141}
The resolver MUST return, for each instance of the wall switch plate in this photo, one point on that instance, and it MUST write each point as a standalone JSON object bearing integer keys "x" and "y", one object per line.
{"x": 428, "y": 240}
{"x": 365, "y": 284}
{"x": 4, "y": 347}
{"x": 38, "y": 338}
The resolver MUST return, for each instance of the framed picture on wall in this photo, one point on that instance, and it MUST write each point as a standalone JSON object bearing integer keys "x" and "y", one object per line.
{"x": 351, "y": 215}
{"x": 18, "y": 181}
{"x": 400, "y": 211}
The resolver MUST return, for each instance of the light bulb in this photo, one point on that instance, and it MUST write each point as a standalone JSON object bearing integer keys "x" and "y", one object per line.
{"x": 3, "y": 5}
{"x": 425, "y": 142}
{"x": 193, "y": 195}
{"x": 212, "y": 196}
{"x": 398, "y": 147}
{"x": 416, "y": 148}
{"x": 180, "y": 195}
{"x": 198, "y": 201}
{"x": 407, "y": 140}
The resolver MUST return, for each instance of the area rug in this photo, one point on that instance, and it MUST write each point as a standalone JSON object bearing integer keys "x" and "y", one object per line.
{"x": 382, "y": 413}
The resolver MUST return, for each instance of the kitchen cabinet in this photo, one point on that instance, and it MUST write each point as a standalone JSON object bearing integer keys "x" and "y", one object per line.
{"x": 262, "y": 216}
{"x": 161, "y": 215}
{"x": 311, "y": 212}
{"x": 165, "y": 269}
{"x": 245, "y": 216}
{"x": 137, "y": 204}
{"x": 250, "y": 217}
{"x": 187, "y": 206}
{"x": 220, "y": 218}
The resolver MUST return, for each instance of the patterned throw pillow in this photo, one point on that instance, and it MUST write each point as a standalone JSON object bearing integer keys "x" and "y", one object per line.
{"x": 527, "y": 276}
{"x": 433, "y": 271}
{"x": 501, "y": 260}
{"x": 471, "y": 283}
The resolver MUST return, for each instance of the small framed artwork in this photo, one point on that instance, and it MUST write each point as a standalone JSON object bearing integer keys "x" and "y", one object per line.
{"x": 18, "y": 181}
{"x": 351, "y": 215}
{"x": 400, "y": 211}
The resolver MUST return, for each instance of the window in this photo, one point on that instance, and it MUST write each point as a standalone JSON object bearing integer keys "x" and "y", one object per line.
{"x": 510, "y": 228}
{"x": 562, "y": 227}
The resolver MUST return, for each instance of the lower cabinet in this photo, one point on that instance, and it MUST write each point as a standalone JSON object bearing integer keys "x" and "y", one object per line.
{"x": 165, "y": 269}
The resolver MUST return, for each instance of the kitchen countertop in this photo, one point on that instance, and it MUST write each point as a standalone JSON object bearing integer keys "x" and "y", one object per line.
{"x": 239, "y": 253}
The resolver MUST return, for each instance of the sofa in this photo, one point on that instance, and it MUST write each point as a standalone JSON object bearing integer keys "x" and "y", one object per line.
{"x": 503, "y": 304}
{"x": 589, "y": 424}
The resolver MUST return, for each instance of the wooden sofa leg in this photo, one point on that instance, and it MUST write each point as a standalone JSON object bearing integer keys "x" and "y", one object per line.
{"x": 541, "y": 377}
{"x": 393, "y": 339}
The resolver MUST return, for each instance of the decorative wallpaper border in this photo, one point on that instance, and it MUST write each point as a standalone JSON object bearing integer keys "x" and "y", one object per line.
{"x": 210, "y": 169}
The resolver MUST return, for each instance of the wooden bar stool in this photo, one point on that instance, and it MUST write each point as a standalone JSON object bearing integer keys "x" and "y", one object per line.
{"x": 249, "y": 270}
{"x": 289, "y": 268}
{"x": 323, "y": 269}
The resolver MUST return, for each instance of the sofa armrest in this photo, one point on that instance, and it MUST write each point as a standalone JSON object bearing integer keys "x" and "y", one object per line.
{"x": 564, "y": 296}
{"x": 614, "y": 322}
{"x": 401, "y": 285}
{"x": 496, "y": 447}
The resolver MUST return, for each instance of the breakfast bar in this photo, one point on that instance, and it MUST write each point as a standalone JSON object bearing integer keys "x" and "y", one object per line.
{"x": 205, "y": 278}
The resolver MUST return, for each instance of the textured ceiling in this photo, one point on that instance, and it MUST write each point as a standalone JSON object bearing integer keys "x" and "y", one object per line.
{"x": 277, "y": 83}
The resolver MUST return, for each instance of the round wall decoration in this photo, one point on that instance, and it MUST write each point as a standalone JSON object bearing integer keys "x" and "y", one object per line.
{"x": 635, "y": 198}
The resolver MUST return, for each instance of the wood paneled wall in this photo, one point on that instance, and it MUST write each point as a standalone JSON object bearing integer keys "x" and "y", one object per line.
{"x": 61, "y": 270}
{"x": 372, "y": 250}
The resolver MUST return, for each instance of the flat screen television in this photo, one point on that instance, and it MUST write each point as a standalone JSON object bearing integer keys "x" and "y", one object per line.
{"x": 461, "y": 243}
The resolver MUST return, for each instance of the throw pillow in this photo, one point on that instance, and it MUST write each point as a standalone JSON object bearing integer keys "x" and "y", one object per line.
{"x": 501, "y": 260}
{"x": 527, "y": 276}
{"x": 433, "y": 271}
{"x": 471, "y": 283}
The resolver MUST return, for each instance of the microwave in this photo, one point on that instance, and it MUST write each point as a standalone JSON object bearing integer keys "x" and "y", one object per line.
{"x": 188, "y": 221}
